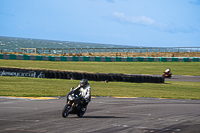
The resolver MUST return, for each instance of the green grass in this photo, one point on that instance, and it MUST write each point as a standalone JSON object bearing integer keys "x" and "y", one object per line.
{"x": 35, "y": 87}
{"x": 178, "y": 68}
{"x": 23, "y": 86}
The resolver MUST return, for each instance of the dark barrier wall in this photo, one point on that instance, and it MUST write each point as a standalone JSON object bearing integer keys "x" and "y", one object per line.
{"x": 78, "y": 76}
{"x": 21, "y": 72}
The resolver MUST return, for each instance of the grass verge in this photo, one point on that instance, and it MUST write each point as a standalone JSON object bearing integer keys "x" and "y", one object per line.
{"x": 178, "y": 68}
{"x": 35, "y": 87}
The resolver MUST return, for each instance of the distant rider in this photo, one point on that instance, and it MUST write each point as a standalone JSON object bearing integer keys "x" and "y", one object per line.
{"x": 167, "y": 71}
{"x": 85, "y": 91}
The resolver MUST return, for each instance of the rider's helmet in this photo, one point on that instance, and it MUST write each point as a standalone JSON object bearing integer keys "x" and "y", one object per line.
{"x": 83, "y": 82}
{"x": 168, "y": 70}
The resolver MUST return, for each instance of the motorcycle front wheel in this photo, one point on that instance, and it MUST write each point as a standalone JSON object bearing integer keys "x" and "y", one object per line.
{"x": 65, "y": 111}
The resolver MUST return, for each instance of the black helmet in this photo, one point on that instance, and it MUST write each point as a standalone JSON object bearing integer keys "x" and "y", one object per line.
{"x": 83, "y": 82}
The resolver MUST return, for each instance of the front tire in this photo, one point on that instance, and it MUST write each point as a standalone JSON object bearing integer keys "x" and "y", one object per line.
{"x": 65, "y": 111}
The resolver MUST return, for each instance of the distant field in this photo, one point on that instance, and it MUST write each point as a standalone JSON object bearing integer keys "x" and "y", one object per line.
{"x": 178, "y": 68}
{"x": 35, "y": 87}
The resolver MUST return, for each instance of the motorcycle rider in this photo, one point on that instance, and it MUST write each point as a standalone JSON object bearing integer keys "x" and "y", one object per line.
{"x": 167, "y": 71}
{"x": 85, "y": 91}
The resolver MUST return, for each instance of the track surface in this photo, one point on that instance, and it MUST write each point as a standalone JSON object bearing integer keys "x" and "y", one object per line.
{"x": 134, "y": 115}
{"x": 184, "y": 78}
{"x": 104, "y": 115}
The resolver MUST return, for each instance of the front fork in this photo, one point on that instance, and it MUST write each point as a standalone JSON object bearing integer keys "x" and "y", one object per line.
{"x": 68, "y": 106}
{"x": 71, "y": 105}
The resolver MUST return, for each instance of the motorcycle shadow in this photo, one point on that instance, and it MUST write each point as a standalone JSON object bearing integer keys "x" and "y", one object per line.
{"x": 100, "y": 117}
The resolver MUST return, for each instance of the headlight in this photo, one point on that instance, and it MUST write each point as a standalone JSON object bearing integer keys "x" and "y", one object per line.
{"x": 70, "y": 98}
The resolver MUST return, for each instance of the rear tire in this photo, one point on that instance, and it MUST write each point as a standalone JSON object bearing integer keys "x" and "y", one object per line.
{"x": 170, "y": 75}
{"x": 81, "y": 113}
{"x": 65, "y": 111}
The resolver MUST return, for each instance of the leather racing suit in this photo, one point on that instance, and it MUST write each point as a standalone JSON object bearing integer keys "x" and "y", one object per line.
{"x": 85, "y": 93}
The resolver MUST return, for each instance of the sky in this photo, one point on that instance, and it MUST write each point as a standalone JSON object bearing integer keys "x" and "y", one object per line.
{"x": 147, "y": 23}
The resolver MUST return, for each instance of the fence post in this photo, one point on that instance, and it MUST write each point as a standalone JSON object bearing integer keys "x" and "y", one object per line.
{"x": 68, "y": 50}
{"x": 93, "y": 50}
{"x": 75, "y": 51}
{"x": 178, "y": 49}
{"x": 172, "y": 50}
{"x": 105, "y": 50}
{"x": 165, "y": 50}
{"x": 140, "y": 49}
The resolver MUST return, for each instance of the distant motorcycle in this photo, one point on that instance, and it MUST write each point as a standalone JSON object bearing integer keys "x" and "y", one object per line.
{"x": 74, "y": 104}
{"x": 167, "y": 74}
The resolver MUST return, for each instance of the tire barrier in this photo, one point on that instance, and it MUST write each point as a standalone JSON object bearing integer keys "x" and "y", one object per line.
{"x": 21, "y": 72}
{"x": 105, "y": 77}
{"x": 115, "y": 77}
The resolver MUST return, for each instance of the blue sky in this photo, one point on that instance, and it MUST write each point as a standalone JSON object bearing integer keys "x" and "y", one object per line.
{"x": 152, "y": 23}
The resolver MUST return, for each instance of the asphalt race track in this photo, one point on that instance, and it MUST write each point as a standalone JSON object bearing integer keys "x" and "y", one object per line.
{"x": 104, "y": 115}
{"x": 184, "y": 78}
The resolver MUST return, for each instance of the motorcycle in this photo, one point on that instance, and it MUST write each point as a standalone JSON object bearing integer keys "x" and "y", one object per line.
{"x": 74, "y": 104}
{"x": 167, "y": 74}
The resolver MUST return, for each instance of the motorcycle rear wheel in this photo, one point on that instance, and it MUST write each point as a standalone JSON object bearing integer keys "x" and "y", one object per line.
{"x": 65, "y": 111}
{"x": 81, "y": 113}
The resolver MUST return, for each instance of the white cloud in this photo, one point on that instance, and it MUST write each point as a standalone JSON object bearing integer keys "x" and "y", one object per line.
{"x": 132, "y": 19}
{"x": 147, "y": 21}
